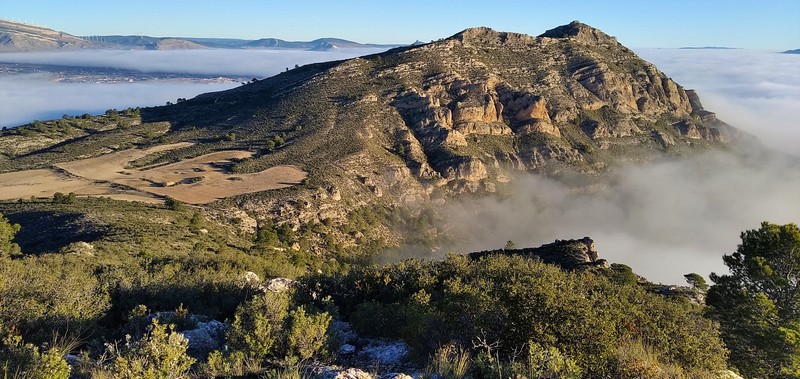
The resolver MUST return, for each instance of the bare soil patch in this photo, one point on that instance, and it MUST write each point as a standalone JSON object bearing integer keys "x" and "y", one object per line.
{"x": 199, "y": 180}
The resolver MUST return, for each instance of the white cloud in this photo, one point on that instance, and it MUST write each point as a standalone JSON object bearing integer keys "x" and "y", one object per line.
{"x": 756, "y": 91}
{"x": 26, "y": 97}
{"x": 248, "y": 63}
{"x": 664, "y": 219}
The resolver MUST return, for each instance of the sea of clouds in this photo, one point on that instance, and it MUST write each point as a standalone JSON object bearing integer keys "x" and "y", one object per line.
{"x": 664, "y": 219}
{"x": 756, "y": 91}
{"x": 28, "y": 97}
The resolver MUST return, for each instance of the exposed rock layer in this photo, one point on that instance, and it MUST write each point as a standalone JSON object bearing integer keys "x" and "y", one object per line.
{"x": 568, "y": 254}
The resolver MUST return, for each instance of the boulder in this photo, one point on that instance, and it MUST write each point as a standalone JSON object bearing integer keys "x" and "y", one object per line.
{"x": 333, "y": 372}
{"x": 471, "y": 170}
{"x": 205, "y": 338}
{"x": 688, "y": 129}
{"x": 279, "y": 285}
{"x": 568, "y": 254}
{"x": 396, "y": 375}
{"x": 539, "y": 126}
{"x": 530, "y": 108}
{"x": 385, "y": 352}
{"x": 251, "y": 279}
{"x": 487, "y": 109}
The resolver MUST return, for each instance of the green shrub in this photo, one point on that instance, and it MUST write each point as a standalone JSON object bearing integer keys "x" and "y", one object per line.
{"x": 258, "y": 324}
{"x": 161, "y": 353}
{"x": 174, "y": 204}
{"x": 7, "y": 233}
{"x": 23, "y": 360}
{"x": 541, "y": 362}
{"x": 308, "y": 333}
{"x": 43, "y": 295}
{"x": 218, "y": 364}
{"x": 50, "y": 365}
{"x": 510, "y": 302}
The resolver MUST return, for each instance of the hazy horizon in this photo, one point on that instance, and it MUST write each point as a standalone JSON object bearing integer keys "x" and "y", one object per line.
{"x": 732, "y": 23}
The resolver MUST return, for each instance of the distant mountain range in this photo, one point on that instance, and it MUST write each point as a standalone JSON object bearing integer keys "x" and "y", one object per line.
{"x": 23, "y": 37}
{"x": 795, "y": 51}
{"x": 709, "y": 48}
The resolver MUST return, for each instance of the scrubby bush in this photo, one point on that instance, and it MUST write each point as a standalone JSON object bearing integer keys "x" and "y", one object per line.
{"x": 40, "y": 296}
{"x": 7, "y": 232}
{"x": 308, "y": 333}
{"x": 258, "y": 325}
{"x": 19, "y": 359}
{"x": 160, "y": 354}
{"x": 219, "y": 364}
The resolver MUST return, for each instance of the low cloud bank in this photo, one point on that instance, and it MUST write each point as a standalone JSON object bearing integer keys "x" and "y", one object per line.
{"x": 24, "y": 98}
{"x": 28, "y": 97}
{"x": 756, "y": 91}
{"x": 664, "y": 219}
{"x": 248, "y": 63}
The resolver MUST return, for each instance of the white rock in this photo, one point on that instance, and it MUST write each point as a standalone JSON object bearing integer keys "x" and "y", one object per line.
{"x": 386, "y": 352}
{"x": 279, "y": 285}
{"x": 206, "y": 337}
{"x": 396, "y": 375}
{"x": 347, "y": 349}
{"x": 333, "y": 372}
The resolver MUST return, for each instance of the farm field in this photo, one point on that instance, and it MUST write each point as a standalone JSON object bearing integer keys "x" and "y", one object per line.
{"x": 199, "y": 180}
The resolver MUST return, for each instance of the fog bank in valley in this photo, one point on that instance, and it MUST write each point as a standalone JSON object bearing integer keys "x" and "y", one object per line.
{"x": 664, "y": 219}
{"x": 28, "y": 97}
{"x": 25, "y": 97}
{"x": 756, "y": 91}
{"x": 222, "y": 62}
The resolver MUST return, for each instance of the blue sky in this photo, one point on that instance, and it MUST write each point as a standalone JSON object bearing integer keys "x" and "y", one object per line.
{"x": 773, "y": 25}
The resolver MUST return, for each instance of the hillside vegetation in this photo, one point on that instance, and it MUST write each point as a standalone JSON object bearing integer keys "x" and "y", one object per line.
{"x": 501, "y": 315}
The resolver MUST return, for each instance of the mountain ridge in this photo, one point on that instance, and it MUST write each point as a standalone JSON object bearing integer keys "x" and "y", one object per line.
{"x": 425, "y": 125}
{"x": 23, "y": 37}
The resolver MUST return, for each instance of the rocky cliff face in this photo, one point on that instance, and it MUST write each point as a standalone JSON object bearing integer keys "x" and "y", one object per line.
{"x": 424, "y": 123}
{"x": 567, "y": 254}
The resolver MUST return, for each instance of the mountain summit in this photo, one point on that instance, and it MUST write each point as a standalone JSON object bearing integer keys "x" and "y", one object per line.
{"x": 462, "y": 114}
{"x": 426, "y": 123}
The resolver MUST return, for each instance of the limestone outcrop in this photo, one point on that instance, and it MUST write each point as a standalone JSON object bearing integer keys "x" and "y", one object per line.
{"x": 568, "y": 254}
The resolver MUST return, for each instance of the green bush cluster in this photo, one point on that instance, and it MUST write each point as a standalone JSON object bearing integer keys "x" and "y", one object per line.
{"x": 19, "y": 359}
{"x": 497, "y": 317}
{"x": 511, "y": 302}
{"x": 265, "y": 328}
{"x": 159, "y": 354}
{"x": 7, "y": 232}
